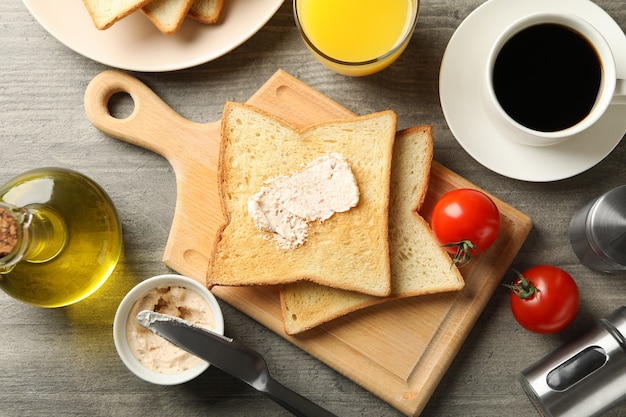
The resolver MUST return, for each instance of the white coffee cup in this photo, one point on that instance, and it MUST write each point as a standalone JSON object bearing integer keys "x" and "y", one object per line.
{"x": 610, "y": 89}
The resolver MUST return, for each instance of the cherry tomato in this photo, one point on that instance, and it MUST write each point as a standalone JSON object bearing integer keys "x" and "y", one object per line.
{"x": 544, "y": 299}
{"x": 466, "y": 222}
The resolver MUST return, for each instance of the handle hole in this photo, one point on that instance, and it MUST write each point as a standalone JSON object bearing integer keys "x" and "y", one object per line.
{"x": 121, "y": 105}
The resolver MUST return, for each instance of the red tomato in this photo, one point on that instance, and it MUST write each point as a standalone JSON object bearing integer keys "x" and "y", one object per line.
{"x": 544, "y": 299}
{"x": 466, "y": 222}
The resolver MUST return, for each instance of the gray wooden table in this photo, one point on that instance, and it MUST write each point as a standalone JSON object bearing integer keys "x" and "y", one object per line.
{"x": 62, "y": 362}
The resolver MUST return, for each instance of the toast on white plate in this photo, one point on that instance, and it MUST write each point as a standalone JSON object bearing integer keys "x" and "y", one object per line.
{"x": 167, "y": 15}
{"x": 206, "y": 11}
{"x": 105, "y": 13}
{"x": 418, "y": 264}
{"x": 349, "y": 250}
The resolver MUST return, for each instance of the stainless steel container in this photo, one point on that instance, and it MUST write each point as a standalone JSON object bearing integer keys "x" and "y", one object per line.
{"x": 585, "y": 377}
{"x": 597, "y": 232}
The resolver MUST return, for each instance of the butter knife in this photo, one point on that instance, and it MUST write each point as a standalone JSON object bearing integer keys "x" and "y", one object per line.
{"x": 231, "y": 357}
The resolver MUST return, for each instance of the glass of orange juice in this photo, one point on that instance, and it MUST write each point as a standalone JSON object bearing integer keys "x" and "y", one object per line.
{"x": 356, "y": 37}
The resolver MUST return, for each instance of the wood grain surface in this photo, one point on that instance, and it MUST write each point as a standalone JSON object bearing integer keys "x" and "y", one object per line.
{"x": 63, "y": 362}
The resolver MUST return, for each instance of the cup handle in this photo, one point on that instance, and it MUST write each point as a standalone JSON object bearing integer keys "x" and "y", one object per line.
{"x": 619, "y": 96}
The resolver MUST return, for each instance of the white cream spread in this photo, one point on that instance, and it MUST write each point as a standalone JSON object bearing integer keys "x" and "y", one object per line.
{"x": 153, "y": 351}
{"x": 287, "y": 204}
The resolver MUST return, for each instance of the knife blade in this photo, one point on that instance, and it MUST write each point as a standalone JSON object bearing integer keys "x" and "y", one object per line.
{"x": 230, "y": 356}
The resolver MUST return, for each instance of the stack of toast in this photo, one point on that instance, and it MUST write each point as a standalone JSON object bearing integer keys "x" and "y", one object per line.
{"x": 378, "y": 251}
{"x": 166, "y": 15}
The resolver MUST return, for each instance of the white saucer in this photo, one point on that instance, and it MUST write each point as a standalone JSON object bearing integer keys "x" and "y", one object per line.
{"x": 461, "y": 81}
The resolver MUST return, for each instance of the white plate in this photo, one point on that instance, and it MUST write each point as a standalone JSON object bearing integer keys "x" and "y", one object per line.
{"x": 135, "y": 44}
{"x": 461, "y": 81}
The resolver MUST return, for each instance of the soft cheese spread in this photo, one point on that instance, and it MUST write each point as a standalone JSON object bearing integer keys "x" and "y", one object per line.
{"x": 153, "y": 351}
{"x": 287, "y": 204}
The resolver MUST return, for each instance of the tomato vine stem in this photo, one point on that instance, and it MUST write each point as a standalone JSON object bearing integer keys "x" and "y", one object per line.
{"x": 462, "y": 256}
{"x": 523, "y": 287}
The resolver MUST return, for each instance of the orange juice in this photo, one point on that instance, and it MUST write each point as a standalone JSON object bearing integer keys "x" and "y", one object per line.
{"x": 356, "y": 36}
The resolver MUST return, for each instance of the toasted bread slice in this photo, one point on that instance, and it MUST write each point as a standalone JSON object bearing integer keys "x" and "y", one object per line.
{"x": 418, "y": 264}
{"x": 350, "y": 250}
{"x": 206, "y": 11}
{"x": 105, "y": 13}
{"x": 167, "y": 15}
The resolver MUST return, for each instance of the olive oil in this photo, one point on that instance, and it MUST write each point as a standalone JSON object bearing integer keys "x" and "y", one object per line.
{"x": 74, "y": 239}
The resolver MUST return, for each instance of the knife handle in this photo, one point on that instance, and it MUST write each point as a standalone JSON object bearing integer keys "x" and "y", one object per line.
{"x": 292, "y": 401}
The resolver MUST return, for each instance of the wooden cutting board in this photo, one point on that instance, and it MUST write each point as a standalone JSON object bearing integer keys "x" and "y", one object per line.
{"x": 399, "y": 350}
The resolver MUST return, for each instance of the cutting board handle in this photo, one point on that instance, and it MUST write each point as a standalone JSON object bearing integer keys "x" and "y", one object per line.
{"x": 152, "y": 124}
{"x": 191, "y": 148}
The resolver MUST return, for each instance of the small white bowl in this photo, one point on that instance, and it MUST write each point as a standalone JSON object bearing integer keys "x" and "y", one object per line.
{"x": 121, "y": 317}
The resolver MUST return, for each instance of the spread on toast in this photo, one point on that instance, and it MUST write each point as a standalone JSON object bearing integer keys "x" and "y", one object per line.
{"x": 286, "y": 205}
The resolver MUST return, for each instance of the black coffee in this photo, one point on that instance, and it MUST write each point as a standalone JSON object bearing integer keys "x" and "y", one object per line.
{"x": 547, "y": 77}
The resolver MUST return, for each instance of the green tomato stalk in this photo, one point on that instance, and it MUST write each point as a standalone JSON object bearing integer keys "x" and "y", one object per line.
{"x": 523, "y": 288}
{"x": 462, "y": 256}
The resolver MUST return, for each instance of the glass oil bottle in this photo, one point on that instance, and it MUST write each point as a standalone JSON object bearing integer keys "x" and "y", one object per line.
{"x": 60, "y": 237}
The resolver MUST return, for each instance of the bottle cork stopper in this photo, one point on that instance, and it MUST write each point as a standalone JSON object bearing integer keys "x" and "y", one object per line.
{"x": 8, "y": 232}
